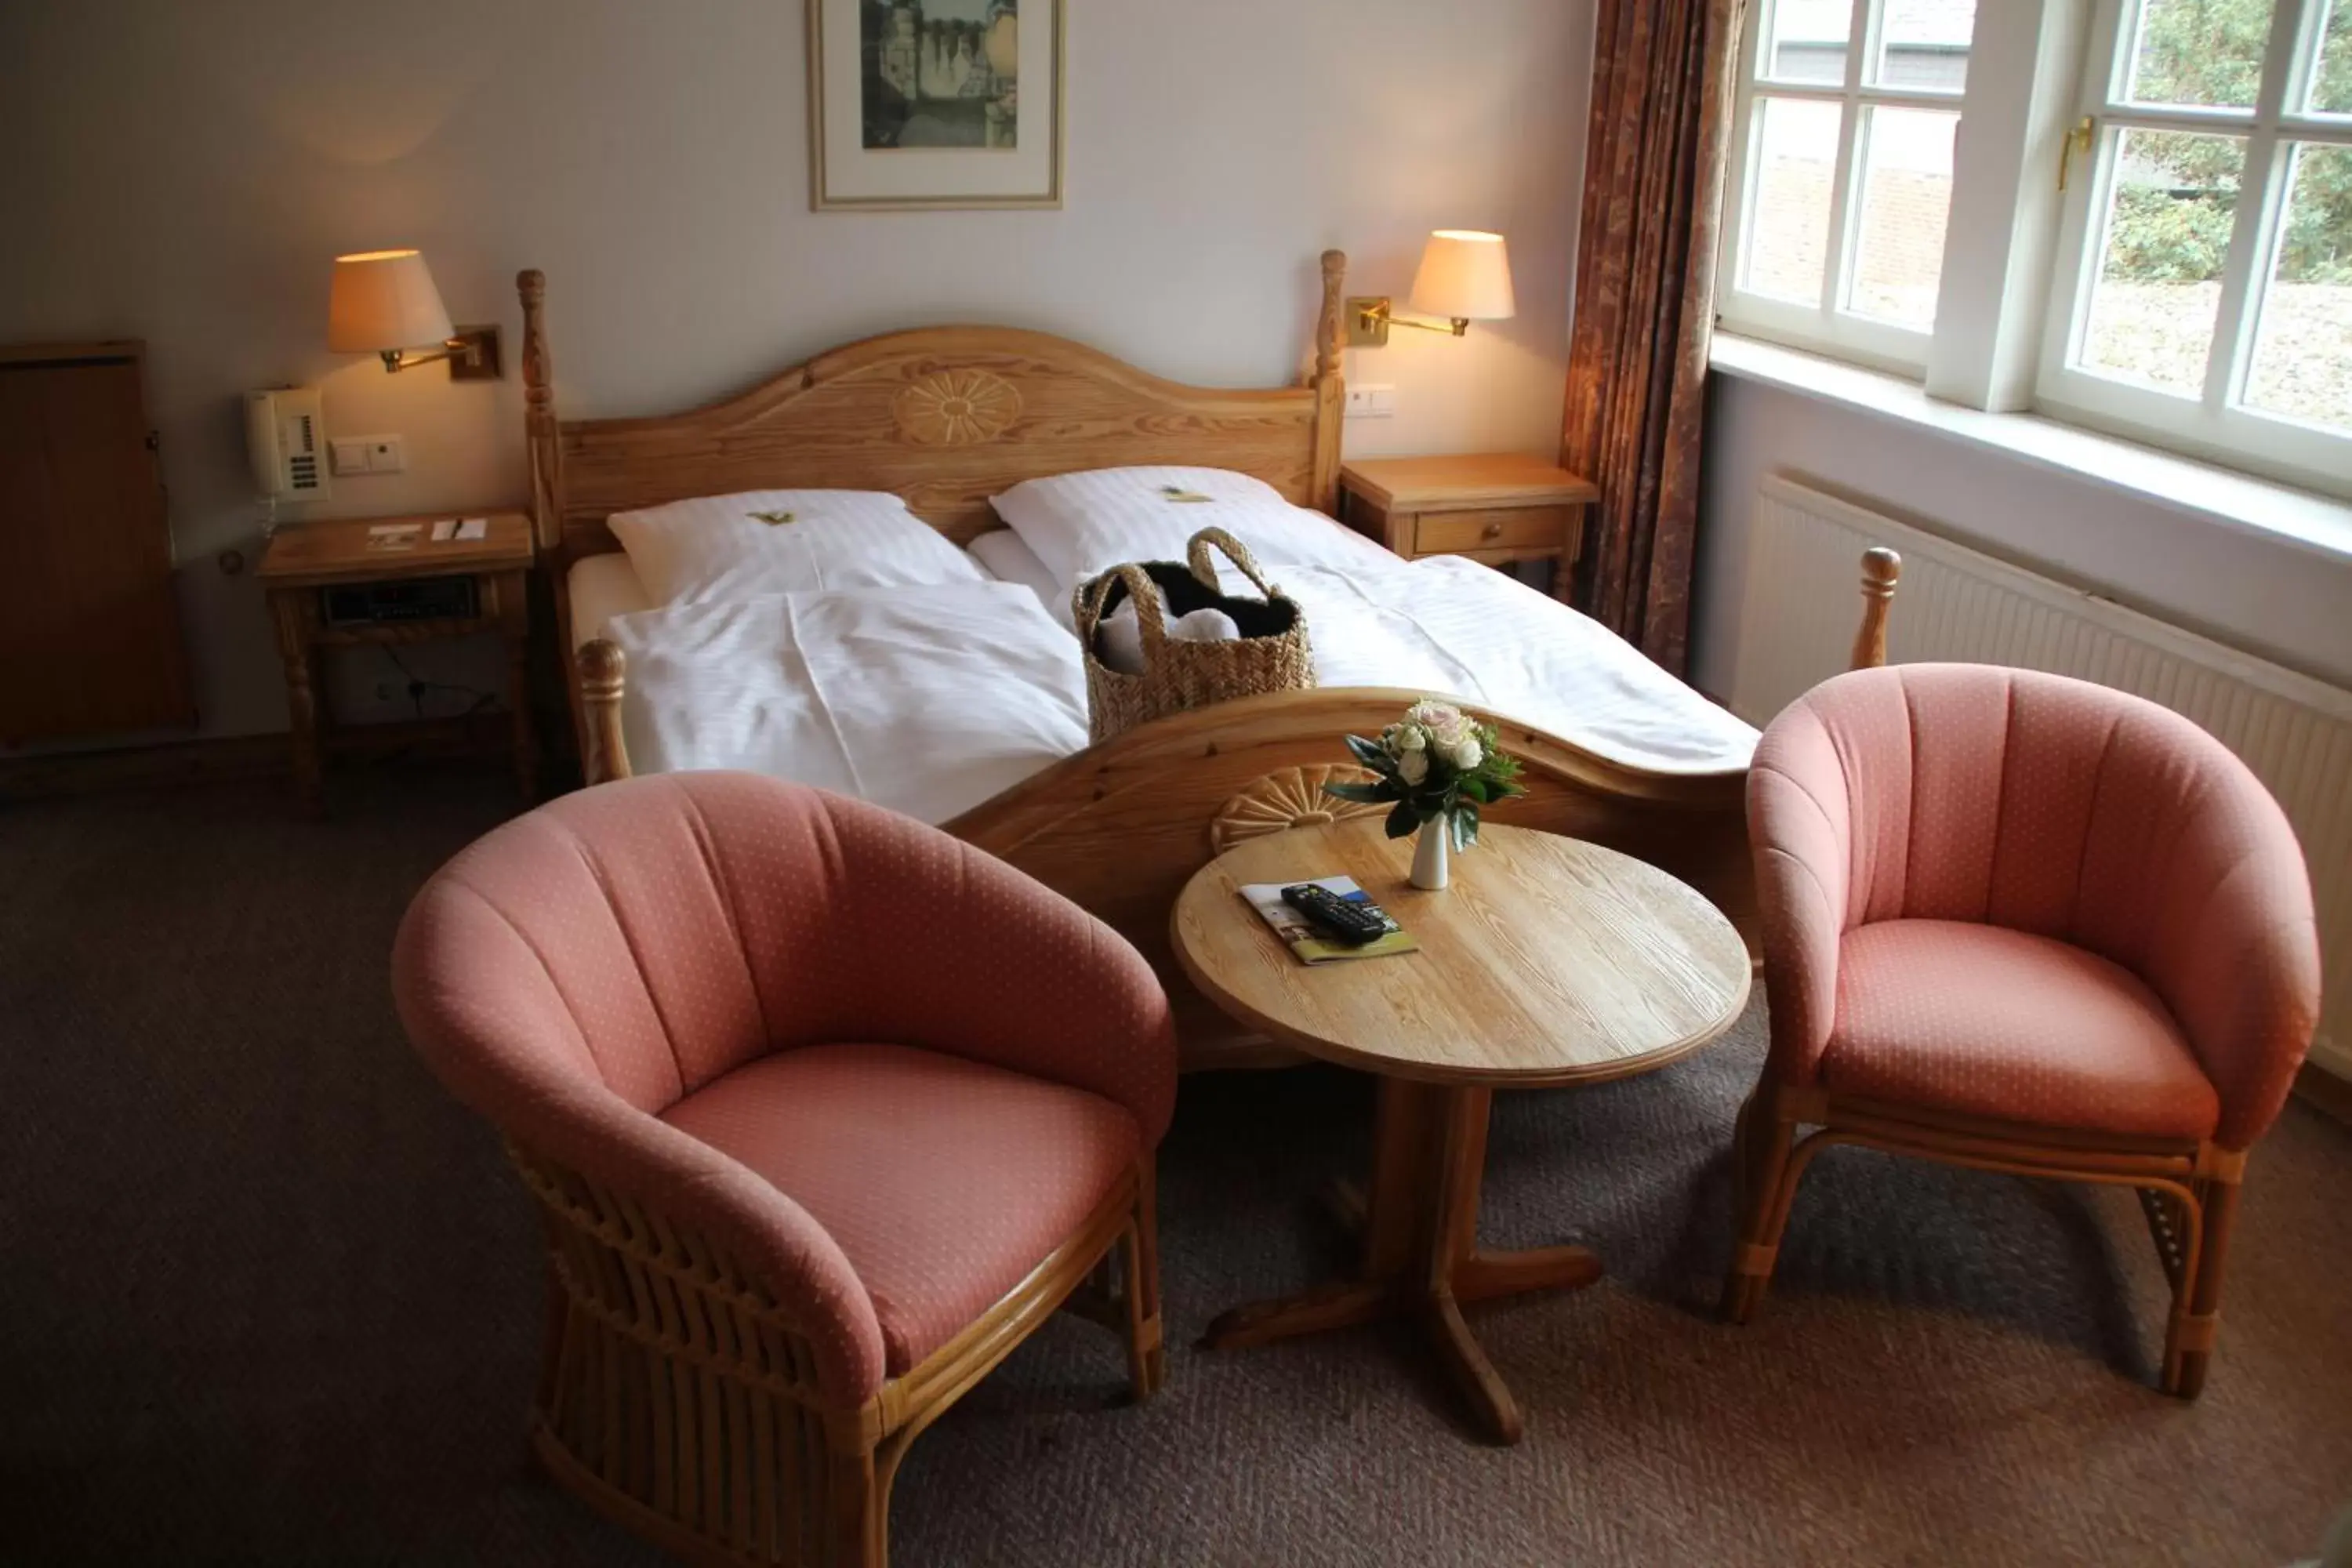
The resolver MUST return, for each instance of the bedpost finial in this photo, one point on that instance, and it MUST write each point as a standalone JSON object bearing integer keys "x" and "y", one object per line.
{"x": 1330, "y": 334}
{"x": 1881, "y": 569}
{"x": 603, "y": 667}
{"x": 531, "y": 284}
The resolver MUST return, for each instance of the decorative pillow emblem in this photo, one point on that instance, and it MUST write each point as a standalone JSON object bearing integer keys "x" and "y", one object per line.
{"x": 774, "y": 519}
{"x": 957, "y": 408}
{"x": 1179, "y": 493}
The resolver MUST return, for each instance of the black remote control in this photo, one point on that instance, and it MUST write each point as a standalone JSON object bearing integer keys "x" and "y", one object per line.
{"x": 1338, "y": 917}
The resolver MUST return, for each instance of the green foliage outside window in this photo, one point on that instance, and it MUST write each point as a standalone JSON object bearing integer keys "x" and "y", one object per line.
{"x": 2172, "y": 222}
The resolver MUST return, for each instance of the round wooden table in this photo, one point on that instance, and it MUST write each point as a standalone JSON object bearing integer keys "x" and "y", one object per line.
{"x": 1549, "y": 961}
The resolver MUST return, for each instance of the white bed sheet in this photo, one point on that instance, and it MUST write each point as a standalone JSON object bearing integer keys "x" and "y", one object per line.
{"x": 932, "y": 700}
{"x": 601, "y": 587}
{"x": 926, "y": 700}
{"x": 1008, "y": 558}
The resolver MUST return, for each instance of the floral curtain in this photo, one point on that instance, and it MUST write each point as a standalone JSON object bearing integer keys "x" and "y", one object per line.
{"x": 1662, "y": 95}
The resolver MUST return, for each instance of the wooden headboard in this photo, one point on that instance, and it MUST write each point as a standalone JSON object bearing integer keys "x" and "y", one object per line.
{"x": 945, "y": 416}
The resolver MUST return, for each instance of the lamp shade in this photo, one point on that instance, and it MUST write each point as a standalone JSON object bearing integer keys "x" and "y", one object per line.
{"x": 384, "y": 300}
{"x": 1465, "y": 275}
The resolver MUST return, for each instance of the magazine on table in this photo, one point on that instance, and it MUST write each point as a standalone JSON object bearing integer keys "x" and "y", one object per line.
{"x": 1311, "y": 946}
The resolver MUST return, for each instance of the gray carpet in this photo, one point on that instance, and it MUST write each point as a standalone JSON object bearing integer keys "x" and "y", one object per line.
{"x": 269, "y": 1298}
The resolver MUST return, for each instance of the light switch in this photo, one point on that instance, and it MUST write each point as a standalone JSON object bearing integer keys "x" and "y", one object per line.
{"x": 349, "y": 457}
{"x": 1372, "y": 403}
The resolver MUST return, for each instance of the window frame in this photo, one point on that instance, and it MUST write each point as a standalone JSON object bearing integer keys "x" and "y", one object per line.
{"x": 2216, "y": 426}
{"x": 2020, "y": 256}
{"x": 1827, "y": 325}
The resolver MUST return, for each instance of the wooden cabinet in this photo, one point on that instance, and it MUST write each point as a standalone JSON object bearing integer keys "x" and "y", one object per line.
{"x": 302, "y": 567}
{"x": 89, "y": 627}
{"x": 1498, "y": 508}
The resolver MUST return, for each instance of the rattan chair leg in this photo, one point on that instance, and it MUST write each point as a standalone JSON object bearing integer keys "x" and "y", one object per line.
{"x": 1147, "y": 1353}
{"x": 1763, "y": 1143}
{"x": 2197, "y": 1299}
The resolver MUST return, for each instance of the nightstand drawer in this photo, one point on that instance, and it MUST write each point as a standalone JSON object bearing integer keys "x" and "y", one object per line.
{"x": 1499, "y": 528}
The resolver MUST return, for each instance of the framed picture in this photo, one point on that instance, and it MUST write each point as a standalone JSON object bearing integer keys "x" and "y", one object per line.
{"x": 935, "y": 103}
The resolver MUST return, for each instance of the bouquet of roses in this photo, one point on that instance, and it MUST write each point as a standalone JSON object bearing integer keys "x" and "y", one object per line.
{"x": 1434, "y": 762}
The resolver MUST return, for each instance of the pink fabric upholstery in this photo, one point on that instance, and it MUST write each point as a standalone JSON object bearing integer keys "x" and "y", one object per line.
{"x": 942, "y": 1180}
{"x": 593, "y": 964}
{"x": 1992, "y": 1022}
{"x": 2046, "y": 806}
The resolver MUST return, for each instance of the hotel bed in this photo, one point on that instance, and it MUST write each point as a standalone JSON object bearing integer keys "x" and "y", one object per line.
{"x": 957, "y": 695}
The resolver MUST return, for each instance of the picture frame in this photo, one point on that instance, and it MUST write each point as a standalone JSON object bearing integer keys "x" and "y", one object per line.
{"x": 917, "y": 105}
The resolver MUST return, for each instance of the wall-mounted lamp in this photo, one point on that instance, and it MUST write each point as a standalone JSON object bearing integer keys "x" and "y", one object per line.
{"x": 384, "y": 302}
{"x": 1464, "y": 277}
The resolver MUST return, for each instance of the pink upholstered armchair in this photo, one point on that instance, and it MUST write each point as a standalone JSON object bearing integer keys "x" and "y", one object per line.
{"x": 825, "y": 1112}
{"x": 2029, "y": 924}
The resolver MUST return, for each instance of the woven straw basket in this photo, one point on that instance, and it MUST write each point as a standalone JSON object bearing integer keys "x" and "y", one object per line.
{"x": 1271, "y": 655}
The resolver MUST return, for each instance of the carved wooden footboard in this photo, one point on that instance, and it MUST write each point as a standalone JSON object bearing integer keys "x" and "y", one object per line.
{"x": 1119, "y": 828}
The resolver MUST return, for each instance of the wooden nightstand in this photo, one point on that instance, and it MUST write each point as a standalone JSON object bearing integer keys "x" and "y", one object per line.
{"x": 342, "y": 584}
{"x": 1496, "y": 507}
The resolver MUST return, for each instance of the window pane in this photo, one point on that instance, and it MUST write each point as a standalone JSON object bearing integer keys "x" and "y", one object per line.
{"x": 1906, "y": 194}
{"x": 2166, "y": 237}
{"x": 2303, "y": 351}
{"x": 1808, "y": 41}
{"x": 2205, "y": 52}
{"x": 1789, "y": 220}
{"x": 2331, "y": 72}
{"x": 1924, "y": 45}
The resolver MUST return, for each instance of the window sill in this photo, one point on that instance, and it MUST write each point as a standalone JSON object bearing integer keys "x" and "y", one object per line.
{"x": 2319, "y": 524}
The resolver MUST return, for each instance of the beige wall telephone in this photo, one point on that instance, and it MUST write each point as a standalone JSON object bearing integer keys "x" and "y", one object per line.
{"x": 285, "y": 437}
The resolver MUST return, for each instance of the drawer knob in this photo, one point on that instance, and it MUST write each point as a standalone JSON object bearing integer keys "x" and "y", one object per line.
{"x": 1493, "y": 531}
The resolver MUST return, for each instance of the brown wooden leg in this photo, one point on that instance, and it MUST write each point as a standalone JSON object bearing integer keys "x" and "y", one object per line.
{"x": 1453, "y": 1237}
{"x": 1394, "y": 1228}
{"x": 292, "y": 611}
{"x": 514, "y": 617}
{"x": 860, "y": 1514}
{"x": 1147, "y": 1356}
{"x": 1763, "y": 1143}
{"x": 1421, "y": 1255}
{"x": 2197, "y": 1299}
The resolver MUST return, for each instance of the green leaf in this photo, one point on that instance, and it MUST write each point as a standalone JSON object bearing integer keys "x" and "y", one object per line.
{"x": 1364, "y": 793}
{"x": 1474, "y": 786}
{"x": 1466, "y": 828}
{"x": 1402, "y": 820}
{"x": 1370, "y": 753}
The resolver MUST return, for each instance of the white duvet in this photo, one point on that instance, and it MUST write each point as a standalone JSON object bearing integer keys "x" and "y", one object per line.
{"x": 931, "y": 700}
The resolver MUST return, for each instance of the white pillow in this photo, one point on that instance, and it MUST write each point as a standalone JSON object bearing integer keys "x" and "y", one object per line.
{"x": 1009, "y": 561}
{"x": 719, "y": 549}
{"x": 1082, "y": 524}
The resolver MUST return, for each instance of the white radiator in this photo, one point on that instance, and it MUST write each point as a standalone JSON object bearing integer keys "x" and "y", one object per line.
{"x": 1956, "y": 603}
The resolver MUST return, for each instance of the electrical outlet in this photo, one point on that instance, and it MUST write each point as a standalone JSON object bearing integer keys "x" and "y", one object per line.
{"x": 1372, "y": 403}
{"x": 387, "y": 455}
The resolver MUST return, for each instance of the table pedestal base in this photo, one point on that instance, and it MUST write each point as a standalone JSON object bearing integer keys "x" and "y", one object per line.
{"x": 1420, "y": 1259}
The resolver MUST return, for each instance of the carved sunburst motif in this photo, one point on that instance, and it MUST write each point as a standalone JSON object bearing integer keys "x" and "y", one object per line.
{"x": 957, "y": 408}
{"x": 1284, "y": 799}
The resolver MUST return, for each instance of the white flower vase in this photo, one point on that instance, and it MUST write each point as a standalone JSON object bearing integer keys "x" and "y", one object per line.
{"x": 1433, "y": 854}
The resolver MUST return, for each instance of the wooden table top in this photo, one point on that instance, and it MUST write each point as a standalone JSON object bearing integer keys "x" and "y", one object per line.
{"x": 336, "y": 549}
{"x": 1549, "y": 960}
{"x": 1468, "y": 480}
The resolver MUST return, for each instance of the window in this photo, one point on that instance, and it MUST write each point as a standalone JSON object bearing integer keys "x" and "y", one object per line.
{"x": 2204, "y": 290}
{"x": 2162, "y": 247}
{"x": 1845, "y": 140}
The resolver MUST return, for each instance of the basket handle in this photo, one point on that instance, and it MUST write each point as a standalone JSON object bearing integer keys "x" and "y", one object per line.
{"x": 1086, "y": 606}
{"x": 1196, "y": 555}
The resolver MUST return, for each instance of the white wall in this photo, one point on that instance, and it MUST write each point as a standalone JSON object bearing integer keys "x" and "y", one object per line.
{"x": 2268, "y": 597}
{"x": 183, "y": 170}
